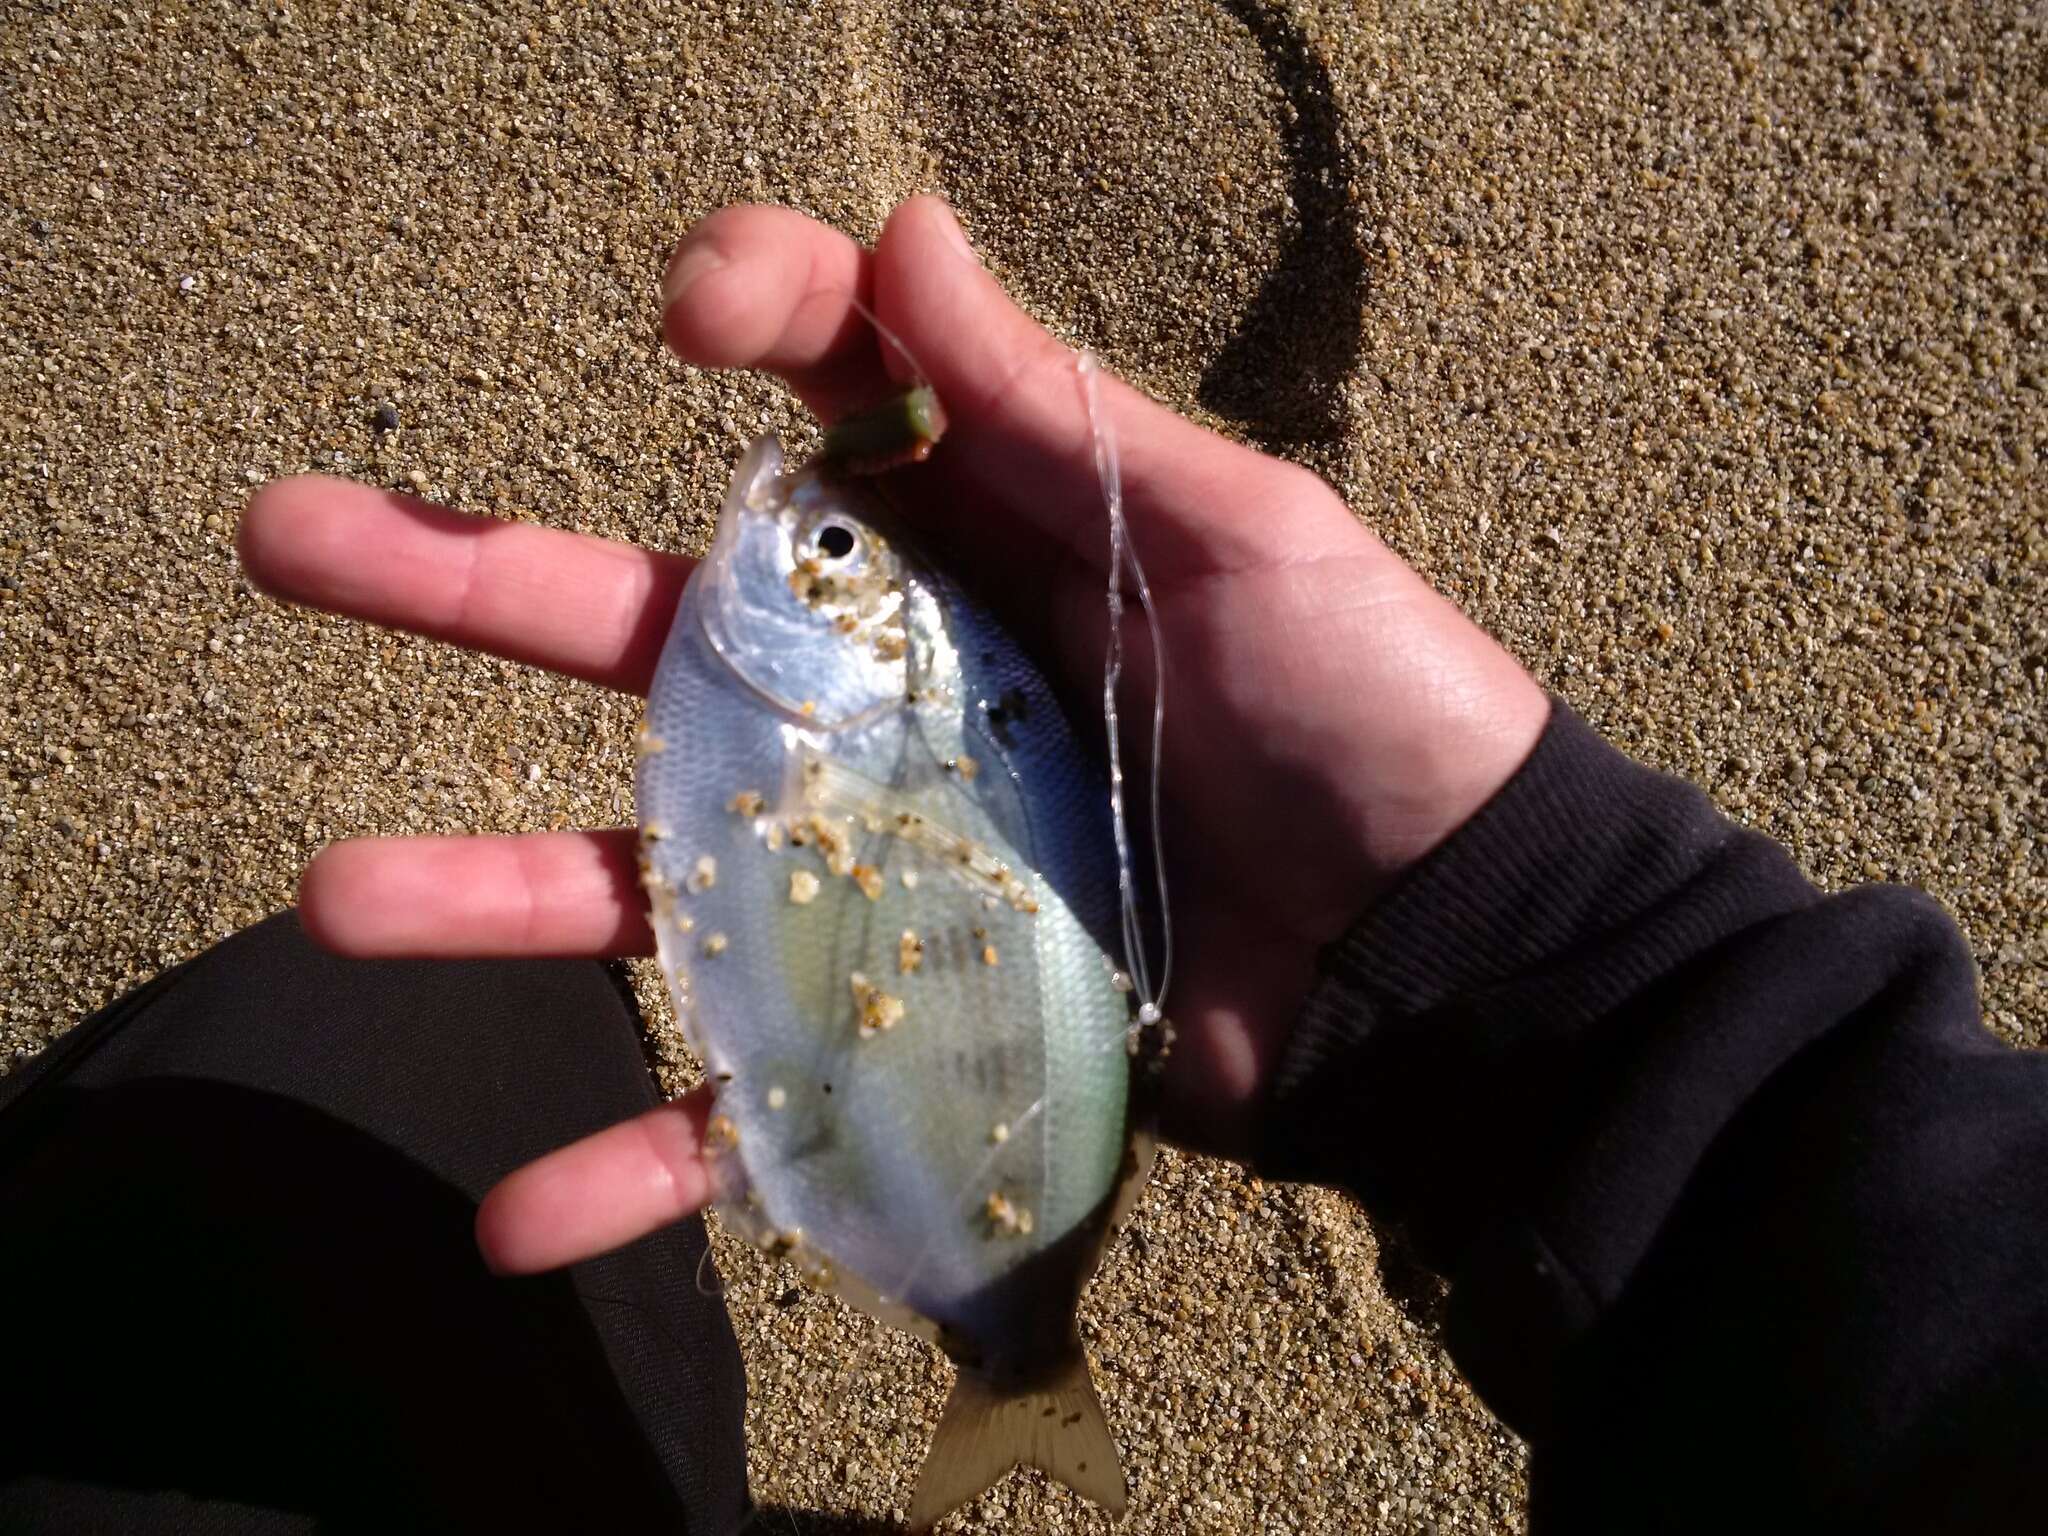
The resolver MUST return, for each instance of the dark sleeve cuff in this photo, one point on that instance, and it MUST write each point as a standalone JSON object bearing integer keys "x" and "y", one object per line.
{"x": 1467, "y": 1037}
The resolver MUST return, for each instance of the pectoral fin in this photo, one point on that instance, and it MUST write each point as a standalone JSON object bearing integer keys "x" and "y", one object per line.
{"x": 1055, "y": 1425}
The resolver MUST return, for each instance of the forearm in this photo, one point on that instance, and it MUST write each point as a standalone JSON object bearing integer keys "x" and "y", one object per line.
{"x": 1719, "y": 1168}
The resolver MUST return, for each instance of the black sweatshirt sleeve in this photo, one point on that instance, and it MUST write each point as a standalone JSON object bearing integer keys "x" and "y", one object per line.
{"x": 1745, "y": 1213}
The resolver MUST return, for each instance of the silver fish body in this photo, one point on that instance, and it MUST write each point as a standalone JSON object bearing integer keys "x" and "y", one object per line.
{"x": 884, "y": 888}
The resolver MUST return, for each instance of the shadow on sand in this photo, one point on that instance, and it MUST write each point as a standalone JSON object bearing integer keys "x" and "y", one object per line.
{"x": 1281, "y": 375}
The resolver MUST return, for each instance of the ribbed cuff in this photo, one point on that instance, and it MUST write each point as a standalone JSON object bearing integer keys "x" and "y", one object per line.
{"x": 1504, "y": 926}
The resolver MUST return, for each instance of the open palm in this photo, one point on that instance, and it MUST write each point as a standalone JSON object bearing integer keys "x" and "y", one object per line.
{"x": 1330, "y": 718}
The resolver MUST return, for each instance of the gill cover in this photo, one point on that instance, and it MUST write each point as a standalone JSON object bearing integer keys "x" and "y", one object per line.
{"x": 802, "y": 598}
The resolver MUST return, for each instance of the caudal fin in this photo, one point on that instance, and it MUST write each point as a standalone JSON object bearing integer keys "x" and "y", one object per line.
{"x": 1055, "y": 1425}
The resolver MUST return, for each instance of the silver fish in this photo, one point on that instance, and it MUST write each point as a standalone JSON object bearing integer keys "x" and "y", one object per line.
{"x": 883, "y": 881}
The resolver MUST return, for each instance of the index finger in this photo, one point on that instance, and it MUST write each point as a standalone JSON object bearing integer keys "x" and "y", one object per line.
{"x": 571, "y": 603}
{"x": 749, "y": 287}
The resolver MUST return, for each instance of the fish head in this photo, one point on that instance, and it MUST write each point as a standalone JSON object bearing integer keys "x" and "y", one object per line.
{"x": 803, "y": 597}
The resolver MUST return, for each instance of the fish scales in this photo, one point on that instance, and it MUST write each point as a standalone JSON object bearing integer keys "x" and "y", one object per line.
{"x": 924, "y": 1091}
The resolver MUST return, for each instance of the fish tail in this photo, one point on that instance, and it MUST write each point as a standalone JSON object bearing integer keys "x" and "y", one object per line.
{"x": 1055, "y": 1424}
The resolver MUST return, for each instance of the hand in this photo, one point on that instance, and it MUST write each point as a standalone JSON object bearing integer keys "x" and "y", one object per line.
{"x": 1330, "y": 719}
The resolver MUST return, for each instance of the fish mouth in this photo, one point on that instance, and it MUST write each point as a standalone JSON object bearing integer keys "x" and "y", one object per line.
{"x": 756, "y": 488}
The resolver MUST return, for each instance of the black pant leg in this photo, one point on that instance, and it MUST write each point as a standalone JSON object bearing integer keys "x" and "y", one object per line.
{"x": 238, "y": 1286}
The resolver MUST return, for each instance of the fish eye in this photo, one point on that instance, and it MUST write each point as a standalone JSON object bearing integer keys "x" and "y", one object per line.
{"x": 834, "y": 541}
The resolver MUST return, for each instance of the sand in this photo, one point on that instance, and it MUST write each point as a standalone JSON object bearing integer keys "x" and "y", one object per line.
{"x": 1697, "y": 351}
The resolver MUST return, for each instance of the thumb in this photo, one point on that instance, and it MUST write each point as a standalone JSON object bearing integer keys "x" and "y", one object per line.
{"x": 1019, "y": 429}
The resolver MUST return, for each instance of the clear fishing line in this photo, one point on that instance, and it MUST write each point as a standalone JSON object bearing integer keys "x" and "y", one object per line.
{"x": 1123, "y": 562}
{"x": 896, "y": 343}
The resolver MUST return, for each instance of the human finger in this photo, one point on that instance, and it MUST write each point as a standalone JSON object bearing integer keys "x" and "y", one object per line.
{"x": 598, "y": 1193}
{"x": 545, "y": 893}
{"x": 571, "y": 603}
{"x": 763, "y": 287}
{"x": 1198, "y": 503}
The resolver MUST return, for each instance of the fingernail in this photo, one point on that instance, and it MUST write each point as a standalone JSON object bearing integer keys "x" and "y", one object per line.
{"x": 955, "y": 235}
{"x": 694, "y": 261}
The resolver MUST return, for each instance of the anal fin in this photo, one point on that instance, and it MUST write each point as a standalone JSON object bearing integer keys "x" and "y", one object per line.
{"x": 1055, "y": 1424}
